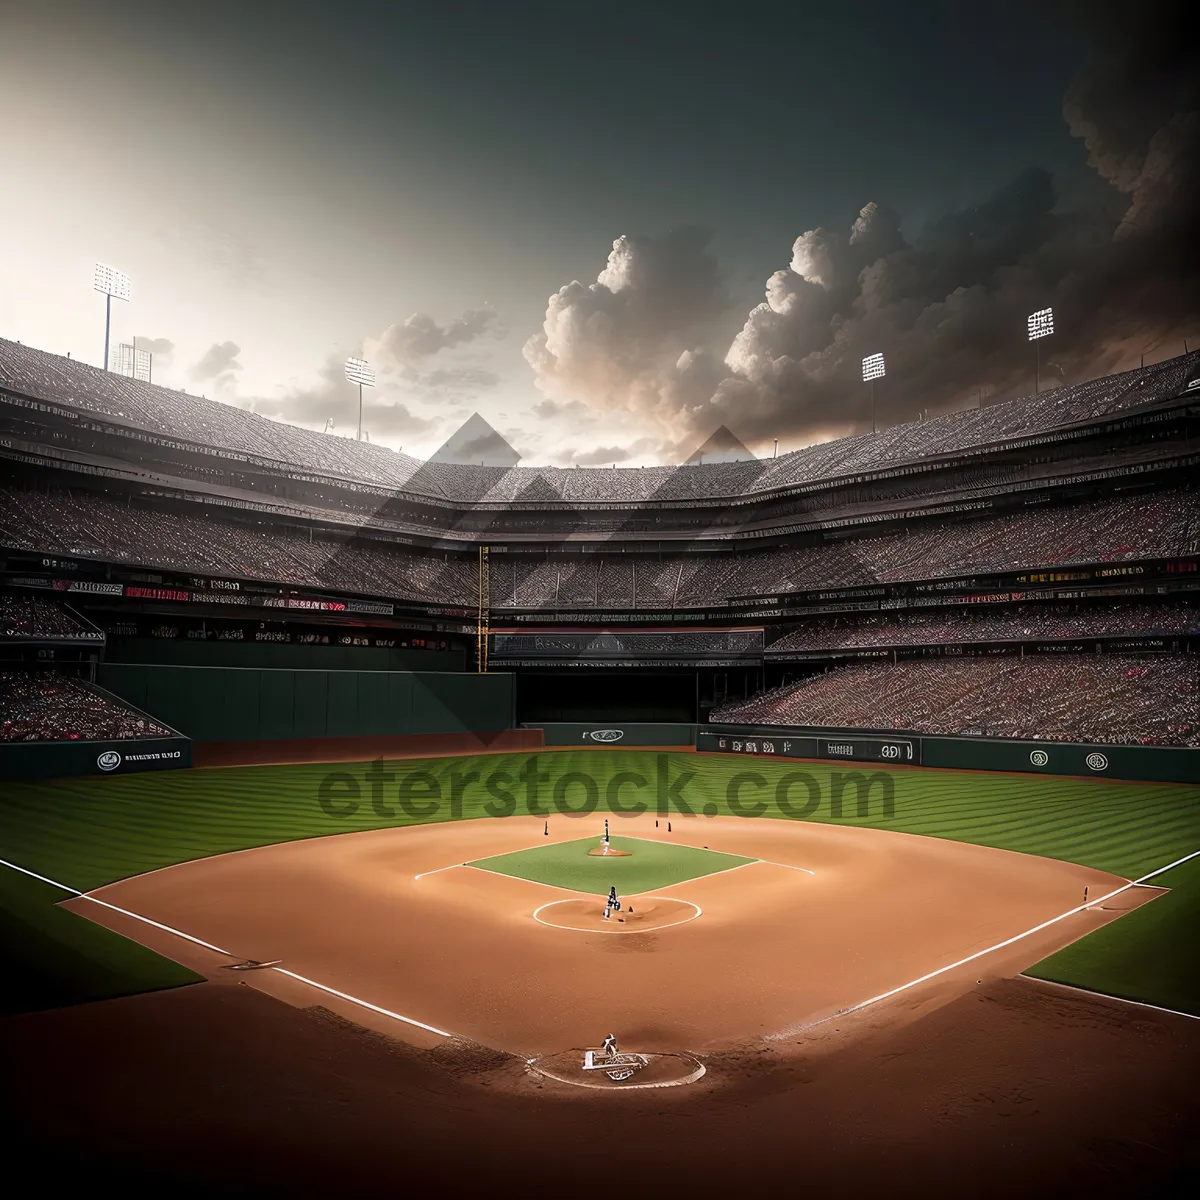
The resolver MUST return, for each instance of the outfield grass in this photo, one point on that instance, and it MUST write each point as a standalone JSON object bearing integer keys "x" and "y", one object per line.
{"x": 1148, "y": 955}
{"x": 650, "y": 865}
{"x": 54, "y": 958}
{"x": 91, "y": 831}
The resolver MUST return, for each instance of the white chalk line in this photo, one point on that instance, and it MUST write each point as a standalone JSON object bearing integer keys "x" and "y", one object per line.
{"x": 791, "y": 1031}
{"x": 533, "y": 1064}
{"x": 187, "y": 937}
{"x": 641, "y": 896}
{"x": 1105, "y": 996}
{"x": 502, "y": 854}
{"x": 688, "y": 846}
{"x": 438, "y": 870}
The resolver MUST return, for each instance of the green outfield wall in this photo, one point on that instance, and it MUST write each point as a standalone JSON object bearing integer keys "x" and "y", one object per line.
{"x": 227, "y": 704}
{"x": 182, "y": 652}
{"x": 1151, "y": 764}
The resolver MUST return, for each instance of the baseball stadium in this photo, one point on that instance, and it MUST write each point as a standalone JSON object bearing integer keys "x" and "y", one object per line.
{"x": 822, "y": 818}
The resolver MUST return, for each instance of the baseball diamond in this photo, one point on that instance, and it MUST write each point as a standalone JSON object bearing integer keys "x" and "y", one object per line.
{"x": 719, "y": 718}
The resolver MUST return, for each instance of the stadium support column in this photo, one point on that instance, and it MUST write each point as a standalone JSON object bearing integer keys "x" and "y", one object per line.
{"x": 482, "y": 618}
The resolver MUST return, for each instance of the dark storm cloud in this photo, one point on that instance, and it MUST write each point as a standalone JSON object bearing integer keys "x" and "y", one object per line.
{"x": 420, "y": 336}
{"x": 946, "y": 308}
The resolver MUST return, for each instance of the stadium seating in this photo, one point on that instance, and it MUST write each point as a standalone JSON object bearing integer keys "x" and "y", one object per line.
{"x": 1117, "y": 698}
{"x": 31, "y": 617}
{"x": 93, "y": 524}
{"x": 180, "y": 416}
{"x": 1052, "y": 622}
{"x": 41, "y": 706}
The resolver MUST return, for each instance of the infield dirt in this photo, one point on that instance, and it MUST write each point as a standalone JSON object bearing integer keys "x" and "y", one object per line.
{"x": 830, "y": 917}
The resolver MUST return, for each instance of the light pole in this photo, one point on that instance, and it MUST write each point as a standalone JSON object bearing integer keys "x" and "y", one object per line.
{"x": 357, "y": 371}
{"x": 873, "y": 369}
{"x": 1041, "y": 324}
{"x": 110, "y": 282}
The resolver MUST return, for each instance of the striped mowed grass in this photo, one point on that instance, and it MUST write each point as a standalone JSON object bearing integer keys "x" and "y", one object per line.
{"x": 88, "y": 832}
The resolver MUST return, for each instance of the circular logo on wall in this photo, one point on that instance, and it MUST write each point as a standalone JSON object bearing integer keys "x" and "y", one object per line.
{"x": 110, "y": 760}
{"x": 1096, "y": 761}
{"x": 1039, "y": 758}
{"x": 605, "y": 735}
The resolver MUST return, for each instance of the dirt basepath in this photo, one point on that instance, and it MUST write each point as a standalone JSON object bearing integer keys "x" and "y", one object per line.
{"x": 830, "y": 917}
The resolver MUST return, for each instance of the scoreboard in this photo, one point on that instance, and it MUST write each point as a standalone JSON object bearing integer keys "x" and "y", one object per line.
{"x": 854, "y": 748}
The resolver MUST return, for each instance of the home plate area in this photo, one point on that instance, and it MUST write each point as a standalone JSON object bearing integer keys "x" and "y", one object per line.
{"x": 727, "y": 931}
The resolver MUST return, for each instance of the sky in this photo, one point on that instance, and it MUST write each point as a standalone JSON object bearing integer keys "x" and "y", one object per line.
{"x": 609, "y": 228}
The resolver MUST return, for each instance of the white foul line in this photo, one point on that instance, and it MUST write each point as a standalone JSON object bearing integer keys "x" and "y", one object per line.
{"x": 1105, "y": 996}
{"x": 187, "y": 937}
{"x": 988, "y": 950}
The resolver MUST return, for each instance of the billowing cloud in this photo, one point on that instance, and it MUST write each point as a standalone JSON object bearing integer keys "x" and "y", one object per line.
{"x": 633, "y": 339}
{"x": 420, "y": 336}
{"x": 218, "y": 366}
{"x": 161, "y": 348}
{"x": 946, "y": 305}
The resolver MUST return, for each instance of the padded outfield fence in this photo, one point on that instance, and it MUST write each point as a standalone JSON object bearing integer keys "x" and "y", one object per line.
{"x": 1151, "y": 764}
{"x": 1154, "y": 764}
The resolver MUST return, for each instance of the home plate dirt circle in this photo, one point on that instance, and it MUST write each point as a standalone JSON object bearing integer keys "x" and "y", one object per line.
{"x": 658, "y": 1071}
{"x": 586, "y": 915}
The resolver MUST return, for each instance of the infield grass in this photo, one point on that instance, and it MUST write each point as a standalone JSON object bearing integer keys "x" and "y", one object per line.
{"x": 649, "y": 865}
{"x": 87, "y": 832}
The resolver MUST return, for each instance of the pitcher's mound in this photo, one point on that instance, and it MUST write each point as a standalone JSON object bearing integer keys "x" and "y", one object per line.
{"x": 587, "y": 914}
{"x": 608, "y": 852}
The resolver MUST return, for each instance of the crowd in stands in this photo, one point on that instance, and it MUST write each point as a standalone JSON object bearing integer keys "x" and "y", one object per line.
{"x": 737, "y": 641}
{"x": 178, "y": 415}
{"x": 32, "y": 617}
{"x": 1162, "y": 524}
{"x": 1021, "y": 622}
{"x": 41, "y": 706}
{"x": 1115, "y": 698}
{"x": 100, "y": 526}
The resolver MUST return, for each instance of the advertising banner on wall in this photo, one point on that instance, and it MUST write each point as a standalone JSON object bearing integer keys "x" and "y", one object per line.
{"x": 53, "y": 760}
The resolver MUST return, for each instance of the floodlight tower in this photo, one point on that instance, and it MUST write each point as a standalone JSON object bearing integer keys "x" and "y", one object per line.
{"x": 358, "y": 372}
{"x": 873, "y": 369}
{"x": 110, "y": 282}
{"x": 1041, "y": 324}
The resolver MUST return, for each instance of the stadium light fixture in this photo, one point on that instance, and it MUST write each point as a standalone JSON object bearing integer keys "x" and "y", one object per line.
{"x": 134, "y": 362}
{"x": 873, "y": 369}
{"x": 1041, "y": 324}
{"x": 358, "y": 371}
{"x": 111, "y": 283}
